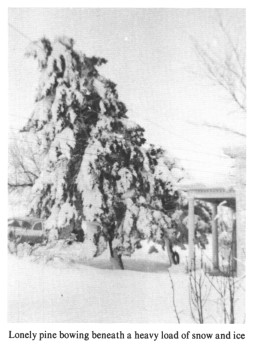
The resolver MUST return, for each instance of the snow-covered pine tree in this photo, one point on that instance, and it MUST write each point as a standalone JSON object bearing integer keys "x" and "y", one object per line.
{"x": 97, "y": 167}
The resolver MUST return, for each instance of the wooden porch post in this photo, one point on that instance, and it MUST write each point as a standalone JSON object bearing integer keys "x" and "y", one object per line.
{"x": 191, "y": 233}
{"x": 234, "y": 248}
{"x": 215, "y": 245}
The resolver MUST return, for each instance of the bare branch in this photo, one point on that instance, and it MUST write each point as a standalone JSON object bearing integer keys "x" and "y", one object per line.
{"x": 224, "y": 128}
{"x": 225, "y": 66}
{"x": 173, "y": 298}
{"x": 24, "y": 163}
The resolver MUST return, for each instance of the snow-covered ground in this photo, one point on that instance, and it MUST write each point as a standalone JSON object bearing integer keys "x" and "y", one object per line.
{"x": 60, "y": 286}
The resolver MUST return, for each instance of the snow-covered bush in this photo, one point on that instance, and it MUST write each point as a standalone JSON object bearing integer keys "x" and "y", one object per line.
{"x": 203, "y": 217}
{"x": 24, "y": 249}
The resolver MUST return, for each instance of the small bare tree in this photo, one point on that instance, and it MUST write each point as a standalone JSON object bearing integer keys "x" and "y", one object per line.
{"x": 223, "y": 63}
{"x": 173, "y": 297}
{"x": 227, "y": 286}
{"x": 199, "y": 292}
{"x": 24, "y": 163}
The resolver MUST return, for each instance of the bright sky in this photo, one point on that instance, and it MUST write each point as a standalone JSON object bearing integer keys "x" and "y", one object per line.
{"x": 151, "y": 58}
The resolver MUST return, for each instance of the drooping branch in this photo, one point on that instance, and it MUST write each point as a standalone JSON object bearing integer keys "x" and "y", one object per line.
{"x": 16, "y": 185}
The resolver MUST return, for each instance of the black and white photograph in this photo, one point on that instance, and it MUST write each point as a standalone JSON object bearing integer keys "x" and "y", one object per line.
{"x": 126, "y": 165}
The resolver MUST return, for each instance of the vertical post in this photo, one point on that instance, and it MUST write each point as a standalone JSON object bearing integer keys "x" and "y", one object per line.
{"x": 191, "y": 233}
{"x": 215, "y": 245}
{"x": 234, "y": 249}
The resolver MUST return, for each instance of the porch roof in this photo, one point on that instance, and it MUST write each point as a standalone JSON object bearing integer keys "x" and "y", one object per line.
{"x": 212, "y": 194}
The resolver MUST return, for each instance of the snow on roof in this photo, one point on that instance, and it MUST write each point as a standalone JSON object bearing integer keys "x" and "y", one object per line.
{"x": 203, "y": 188}
{"x": 210, "y": 193}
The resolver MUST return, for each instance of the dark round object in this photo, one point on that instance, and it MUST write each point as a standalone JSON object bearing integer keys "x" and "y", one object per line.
{"x": 176, "y": 258}
{"x": 79, "y": 235}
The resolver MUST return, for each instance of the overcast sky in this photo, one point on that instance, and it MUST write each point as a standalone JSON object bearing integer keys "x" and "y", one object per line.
{"x": 151, "y": 58}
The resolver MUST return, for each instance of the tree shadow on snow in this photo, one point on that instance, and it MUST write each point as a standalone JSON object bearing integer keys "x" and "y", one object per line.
{"x": 140, "y": 265}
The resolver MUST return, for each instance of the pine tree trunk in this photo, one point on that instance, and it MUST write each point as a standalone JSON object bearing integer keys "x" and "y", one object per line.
{"x": 115, "y": 259}
{"x": 169, "y": 250}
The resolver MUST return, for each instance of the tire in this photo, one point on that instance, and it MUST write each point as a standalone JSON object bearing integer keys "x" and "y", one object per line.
{"x": 176, "y": 258}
